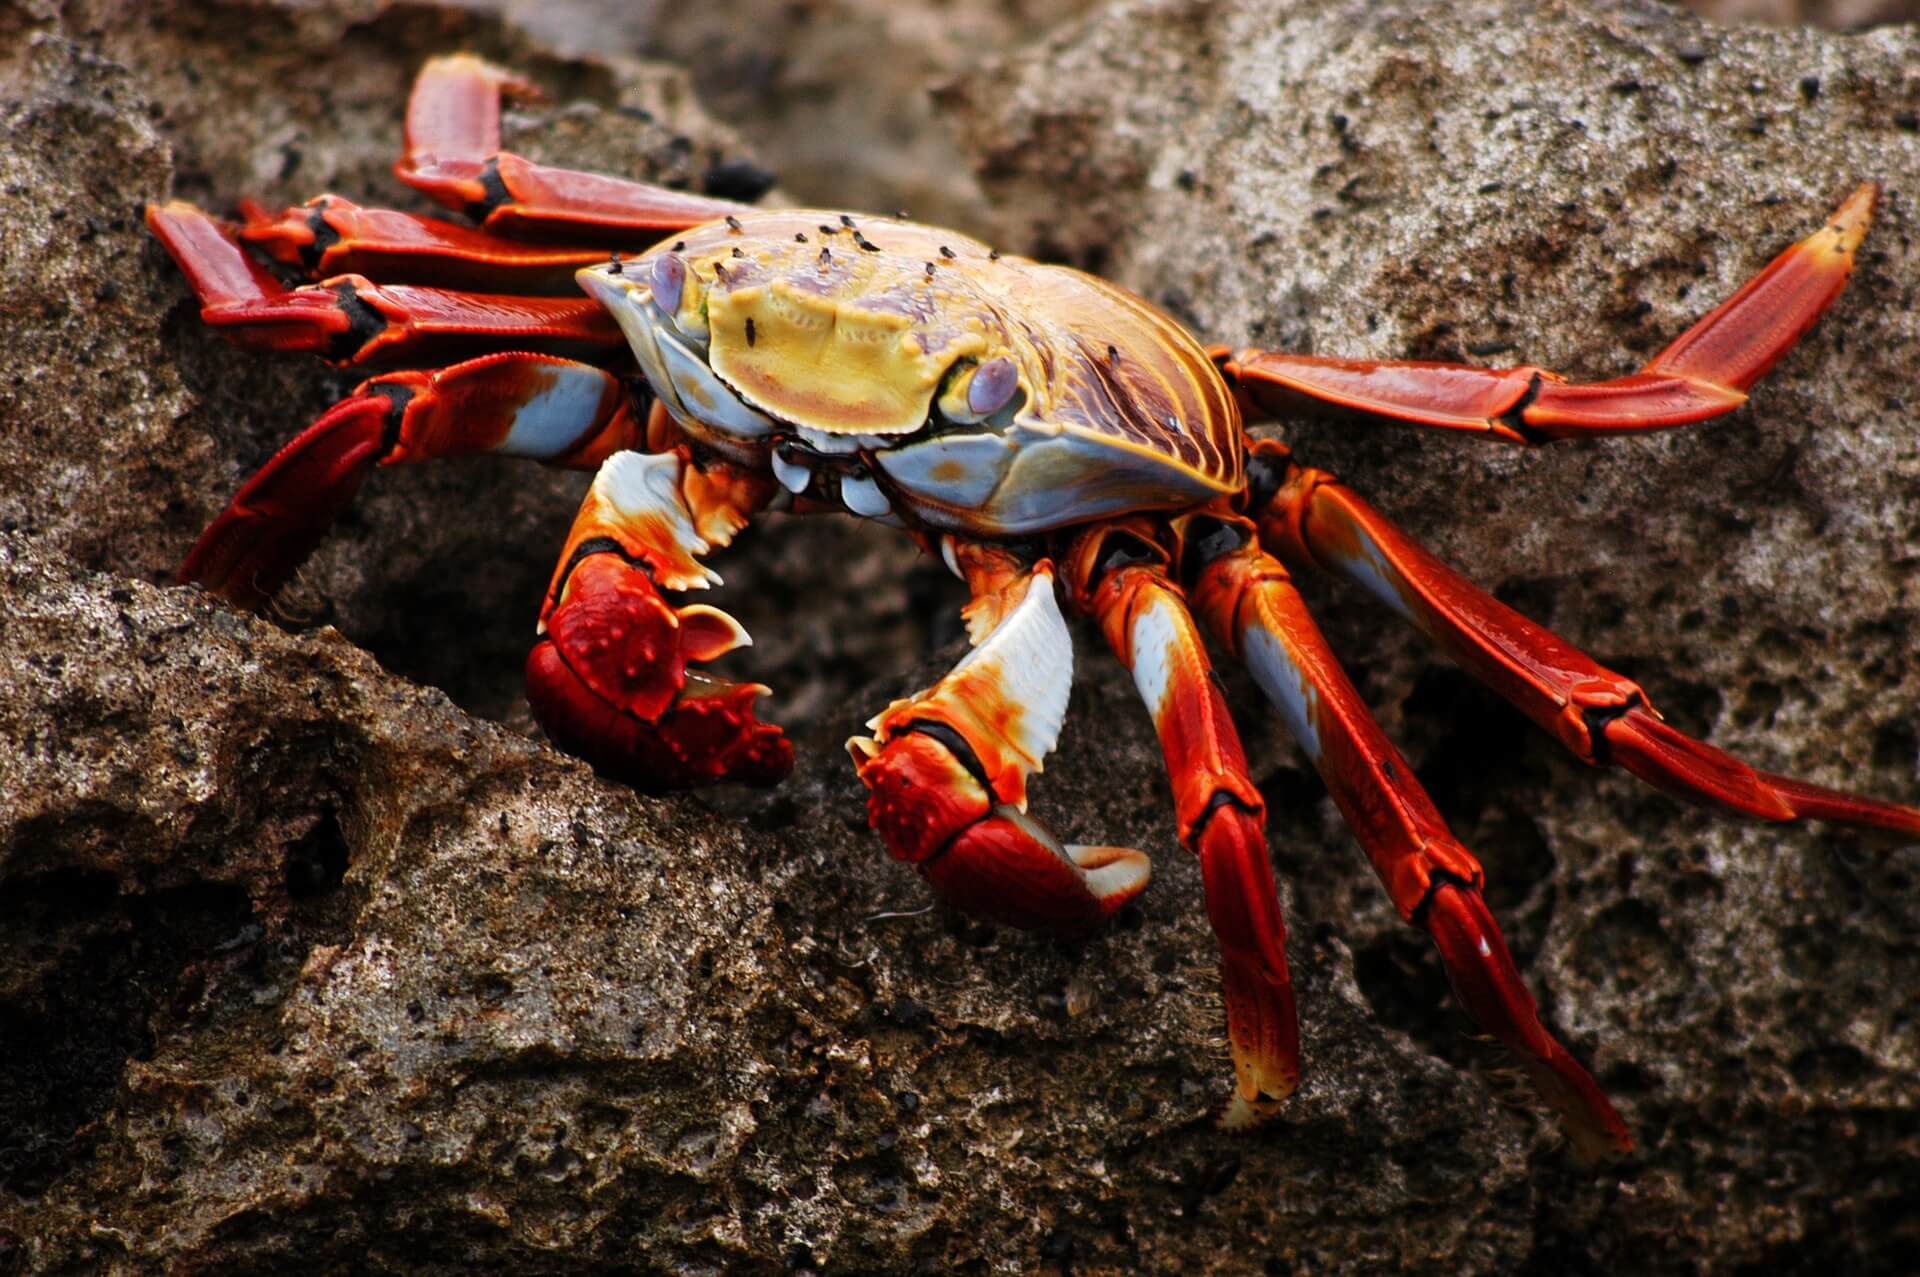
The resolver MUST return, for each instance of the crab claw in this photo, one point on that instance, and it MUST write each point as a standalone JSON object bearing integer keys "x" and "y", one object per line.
{"x": 608, "y": 680}
{"x": 984, "y": 857}
{"x": 947, "y": 773}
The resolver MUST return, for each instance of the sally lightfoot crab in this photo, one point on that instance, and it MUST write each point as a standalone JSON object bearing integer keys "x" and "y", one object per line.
{"x": 1048, "y": 434}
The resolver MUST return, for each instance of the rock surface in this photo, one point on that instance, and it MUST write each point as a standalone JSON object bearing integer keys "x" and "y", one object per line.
{"x": 834, "y": 93}
{"x": 302, "y": 967}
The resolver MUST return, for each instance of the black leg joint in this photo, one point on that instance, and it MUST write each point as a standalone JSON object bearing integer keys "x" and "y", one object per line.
{"x": 397, "y": 397}
{"x": 1221, "y": 798}
{"x": 1515, "y": 418}
{"x": 956, "y": 744}
{"x": 495, "y": 192}
{"x": 586, "y": 550}
{"x": 364, "y": 323}
{"x": 1208, "y": 539}
{"x": 324, "y": 238}
{"x": 1595, "y": 719}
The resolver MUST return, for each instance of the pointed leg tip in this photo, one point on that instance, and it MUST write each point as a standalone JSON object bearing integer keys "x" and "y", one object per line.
{"x": 1858, "y": 208}
{"x": 1240, "y": 1115}
{"x": 1849, "y": 223}
{"x": 1262, "y": 1026}
{"x": 1596, "y": 1135}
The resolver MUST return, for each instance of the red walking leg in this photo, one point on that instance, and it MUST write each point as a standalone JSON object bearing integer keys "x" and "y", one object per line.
{"x": 333, "y": 236}
{"x": 1702, "y": 374}
{"x": 1118, "y": 576}
{"x": 535, "y": 406}
{"x": 1600, "y": 716}
{"x": 351, "y": 320}
{"x": 1252, "y": 607}
{"x": 453, "y": 155}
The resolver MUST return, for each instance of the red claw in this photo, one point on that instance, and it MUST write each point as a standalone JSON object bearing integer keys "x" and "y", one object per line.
{"x": 1009, "y": 870}
{"x": 609, "y": 683}
{"x": 619, "y": 637}
{"x": 986, "y": 858}
{"x": 920, "y": 796}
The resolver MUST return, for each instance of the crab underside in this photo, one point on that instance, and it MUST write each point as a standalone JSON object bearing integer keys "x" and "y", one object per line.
{"x": 1046, "y": 433}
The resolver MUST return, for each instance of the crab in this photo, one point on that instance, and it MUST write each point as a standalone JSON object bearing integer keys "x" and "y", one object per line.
{"x": 1050, "y": 435}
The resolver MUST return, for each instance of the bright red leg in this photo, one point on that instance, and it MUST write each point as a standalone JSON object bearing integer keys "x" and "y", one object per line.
{"x": 352, "y": 320}
{"x": 1599, "y": 715}
{"x": 520, "y": 405}
{"x": 947, "y": 769}
{"x": 1704, "y": 373}
{"x": 453, "y": 155}
{"x": 1251, "y": 605}
{"x": 332, "y": 236}
{"x": 1118, "y": 576}
{"x": 609, "y": 678}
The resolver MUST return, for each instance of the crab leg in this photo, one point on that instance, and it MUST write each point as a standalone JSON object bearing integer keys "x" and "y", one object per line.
{"x": 333, "y": 236}
{"x": 608, "y": 678}
{"x": 536, "y": 406}
{"x": 1253, "y": 608}
{"x": 1704, "y": 373}
{"x": 453, "y": 155}
{"x": 1118, "y": 576}
{"x": 1600, "y": 716}
{"x": 352, "y": 320}
{"x": 947, "y": 768}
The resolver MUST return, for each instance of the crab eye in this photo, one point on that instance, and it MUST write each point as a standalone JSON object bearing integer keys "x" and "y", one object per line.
{"x": 668, "y": 278}
{"x": 993, "y": 384}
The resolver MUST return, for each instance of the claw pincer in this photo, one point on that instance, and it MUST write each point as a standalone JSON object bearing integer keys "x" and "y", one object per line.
{"x": 608, "y": 678}
{"x": 947, "y": 773}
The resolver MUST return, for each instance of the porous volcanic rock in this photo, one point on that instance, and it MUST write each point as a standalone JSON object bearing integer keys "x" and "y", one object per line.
{"x": 835, "y": 94}
{"x": 303, "y": 967}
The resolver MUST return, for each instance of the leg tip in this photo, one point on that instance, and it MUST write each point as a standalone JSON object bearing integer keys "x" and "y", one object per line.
{"x": 1240, "y": 1115}
{"x": 1595, "y": 1133}
{"x": 1856, "y": 211}
{"x": 1263, "y": 1029}
{"x": 1849, "y": 223}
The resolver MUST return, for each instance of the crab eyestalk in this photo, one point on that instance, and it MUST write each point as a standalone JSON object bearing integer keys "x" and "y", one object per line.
{"x": 976, "y": 392}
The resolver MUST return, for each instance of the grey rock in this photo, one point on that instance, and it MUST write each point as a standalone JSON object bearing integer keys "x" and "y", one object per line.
{"x": 305, "y": 968}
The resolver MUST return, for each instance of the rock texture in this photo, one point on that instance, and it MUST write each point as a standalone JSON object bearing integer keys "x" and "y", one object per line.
{"x": 836, "y": 94}
{"x": 303, "y": 967}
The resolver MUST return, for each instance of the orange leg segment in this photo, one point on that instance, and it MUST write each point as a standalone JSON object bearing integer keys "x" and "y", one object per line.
{"x": 1704, "y": 373}
{"x": 453, "y": 155}
{"x": 1118, "y": 577}
{"x": 1252, "y": 607}
{"x": 1600, "y": 716}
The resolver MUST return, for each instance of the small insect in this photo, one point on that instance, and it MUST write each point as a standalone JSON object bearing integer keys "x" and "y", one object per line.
{"x": 1050, "y": 435}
